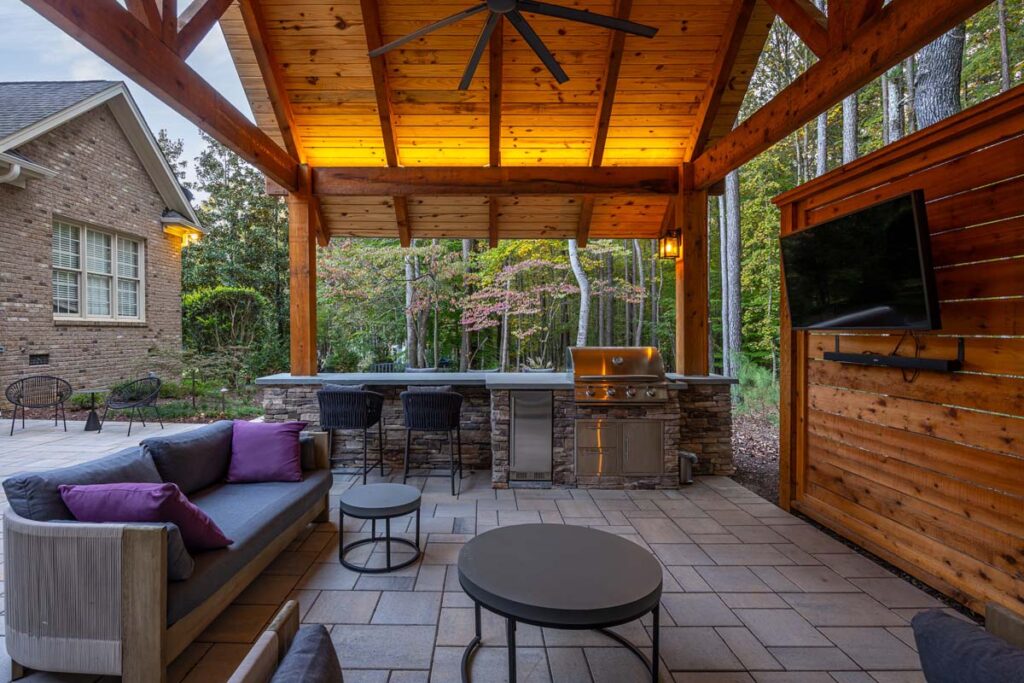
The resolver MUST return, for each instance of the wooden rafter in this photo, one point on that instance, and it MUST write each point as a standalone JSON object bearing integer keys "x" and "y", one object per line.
{"x": 846, "y": 16}
{"x": 273, "y": 78}
{"x": 806, "y": 20}
{"x": 721, "y": 74}
{"x": 319, "y": 225}
{"x": 113, "y": 33}
{"x": 147, "y": 13}
{"x": 506, "y": 180}
{"x": 495, "y": 68}
{"x": 385, "y": 112}
{"x": 196, "y": 21}
{"x": 895, "y": 32}
{"x": 616, "y": 43}
{"x": 169, "y": 23}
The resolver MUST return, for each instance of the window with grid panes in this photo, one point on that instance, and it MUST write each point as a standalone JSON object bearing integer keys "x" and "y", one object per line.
{"x": 97, "y": 275}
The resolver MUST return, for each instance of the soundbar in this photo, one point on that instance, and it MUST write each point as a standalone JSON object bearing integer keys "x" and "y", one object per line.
{"x": 882, "y": 361}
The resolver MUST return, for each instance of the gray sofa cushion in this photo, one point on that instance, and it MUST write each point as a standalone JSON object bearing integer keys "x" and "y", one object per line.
{"x": 195, "y": 459}
{"x": 180, "y": 564}
{"x": 34, "y": 495}
{"x": 307, "y": 451}
{"x": 310, "y": 659}
{"x": 955, "y": 651}
{"x": 253, "y": 515}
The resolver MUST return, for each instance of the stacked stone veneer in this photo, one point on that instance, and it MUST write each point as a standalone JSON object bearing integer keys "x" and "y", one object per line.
{"x": 697, "y": 419}
{"x": 299, "y": 402}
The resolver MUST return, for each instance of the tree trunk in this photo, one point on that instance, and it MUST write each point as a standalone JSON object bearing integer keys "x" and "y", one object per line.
{"x": 723, "y": 251}
{"x": 627, "y": 275}
{"x": 732, "y": 191}
{"x": 909, "y": 70}
{"x": 850, "y": 128}
{"x": 893, "y": 104}
{"x": 464, "y": 347}
{"x": 884, "y": 92}
{"x": 653, "y": 293}
{"x": 584, "y": 285}
{"x": 503, "y": 353}
{"x": 609, "y": 302}
{"x": 1004, "y": 47}
{"x": 638, "y": 268}
{"x": 937, "y": 87}
{"x": 411, "y": 345}
{"x": 821, "y": 160}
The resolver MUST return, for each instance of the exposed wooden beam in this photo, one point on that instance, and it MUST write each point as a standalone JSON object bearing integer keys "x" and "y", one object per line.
{"x": 146, "y": 12}
{"x": 112, "y": 32}
{"x": 169, "y": 23}
{"x": 196, "y": 21}
{"x": 302, "y": 278}
{"x": 316, "y": 217}
{"x": 806, "y": 20}
{"x": 583, "y": 223}
{"x": 669, "y": 218}
{"x": 721, "y": 74}
{"x": 492, "y": 222}
{"x": 846, "y": 16}
{"x": 273, "y": 77}
{"x": 691, "y": 216}
{"x": 402, "y": 220}
{"x": 896, "y": 31}
{"x": 496, "y": 68}
{"x": 506, "y": 180}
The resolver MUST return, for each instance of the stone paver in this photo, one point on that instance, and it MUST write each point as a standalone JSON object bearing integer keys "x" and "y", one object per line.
{"x": 751, "y": 595}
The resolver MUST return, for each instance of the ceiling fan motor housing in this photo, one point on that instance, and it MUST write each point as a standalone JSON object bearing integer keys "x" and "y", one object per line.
{"x": 501, "y": 6}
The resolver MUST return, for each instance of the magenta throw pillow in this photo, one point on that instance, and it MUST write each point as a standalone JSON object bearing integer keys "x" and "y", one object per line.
{"x": 145, "y": 503}
{"x": 265, "y": 451}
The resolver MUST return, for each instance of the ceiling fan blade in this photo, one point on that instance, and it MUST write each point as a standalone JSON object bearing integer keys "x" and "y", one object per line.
{"x": 587, "y": 18}
{"x": 478, "y": 51}
{"x": 534, "y": 41}
{"x": 419, "y": 33}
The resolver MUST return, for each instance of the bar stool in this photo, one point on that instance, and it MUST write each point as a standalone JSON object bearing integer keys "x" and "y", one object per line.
{"x": 352, "y": 407}
{"x": 434, "y": 409}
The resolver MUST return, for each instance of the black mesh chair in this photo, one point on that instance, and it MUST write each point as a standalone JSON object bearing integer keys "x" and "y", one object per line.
{"x": 429, "y": 410}
{"x": 133, "y": 397}
{"x": 353, "y": 408}
{"x": 39, "y": 391}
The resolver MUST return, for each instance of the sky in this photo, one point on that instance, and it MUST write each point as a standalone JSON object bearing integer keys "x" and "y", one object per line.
{"x": 33, "y": 49}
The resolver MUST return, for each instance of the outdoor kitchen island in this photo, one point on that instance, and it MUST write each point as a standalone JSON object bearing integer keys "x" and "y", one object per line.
{"x": 535, "y": 418}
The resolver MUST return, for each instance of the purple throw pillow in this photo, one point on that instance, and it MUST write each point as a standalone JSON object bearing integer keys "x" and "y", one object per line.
{"x": 145, "y": 503}
{"x": 265, "y": 451}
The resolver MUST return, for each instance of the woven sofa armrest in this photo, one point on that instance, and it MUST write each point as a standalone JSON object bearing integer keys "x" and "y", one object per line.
{"x": 80, "y": 595}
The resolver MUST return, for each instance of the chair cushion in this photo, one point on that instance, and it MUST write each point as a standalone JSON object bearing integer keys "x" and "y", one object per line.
{"x": 310, "y": 659}
{"x": 425, "y": 388}
{"x": 253, "y": 515}
{"x": 955, "y": 651}
{"x": 195, "y": 459}
{"x": 145, "y": 503}
{"x": 343, "y": 387}
{"x": 265, "y": 451}
{"x": 34, "y": 495}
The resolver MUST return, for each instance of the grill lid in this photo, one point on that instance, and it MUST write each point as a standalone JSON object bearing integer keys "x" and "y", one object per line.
{"x": 640, "y": 364}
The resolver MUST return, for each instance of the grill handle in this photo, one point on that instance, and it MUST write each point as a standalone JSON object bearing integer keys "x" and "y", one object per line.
{"x": 619, "y": 378}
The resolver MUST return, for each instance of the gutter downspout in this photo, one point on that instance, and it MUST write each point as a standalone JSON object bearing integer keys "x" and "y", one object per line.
{"x": 12, "y": 174}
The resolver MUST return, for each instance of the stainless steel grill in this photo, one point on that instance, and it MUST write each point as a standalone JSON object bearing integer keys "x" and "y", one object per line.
{"x": 618, "y": 374}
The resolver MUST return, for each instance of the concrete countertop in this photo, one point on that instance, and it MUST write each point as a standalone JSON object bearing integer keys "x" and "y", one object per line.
{"x": 549, "y": 381}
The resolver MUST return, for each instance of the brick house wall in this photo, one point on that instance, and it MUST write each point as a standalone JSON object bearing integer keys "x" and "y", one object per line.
{"x": 100, "y": 181}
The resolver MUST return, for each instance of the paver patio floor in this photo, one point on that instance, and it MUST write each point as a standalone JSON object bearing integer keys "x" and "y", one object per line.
{"x": 752, "y": 594}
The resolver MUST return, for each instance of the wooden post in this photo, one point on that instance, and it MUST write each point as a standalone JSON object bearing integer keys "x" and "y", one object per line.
{"x": 691, "y": 219}
{"x": 302, "y": 271}
{"x": 789, "y": 384}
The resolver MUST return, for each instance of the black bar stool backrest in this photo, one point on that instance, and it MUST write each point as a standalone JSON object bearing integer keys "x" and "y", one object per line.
{"x": 431, "y": 410}
{"x": 344, "y": 407}
{"x": 39, "y": 391}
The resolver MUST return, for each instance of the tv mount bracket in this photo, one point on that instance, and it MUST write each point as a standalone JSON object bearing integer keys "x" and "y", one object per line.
{"x": 892, "y": 361}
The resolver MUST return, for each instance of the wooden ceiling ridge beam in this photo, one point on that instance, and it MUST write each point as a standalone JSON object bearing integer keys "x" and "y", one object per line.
{"x": 376, "y": 181}
{"x": 114, "y": 34}
{"x": 495, "y": 80}
{"x": 196, "y": 21}
{"x": 721, "y": 74}
{"x": 893, "y": 33}
{"x": 613, "y": 65}
{"x": 845, "y": 17}
{"x": 385, "y": 110}
{"x": 807, "y": 21}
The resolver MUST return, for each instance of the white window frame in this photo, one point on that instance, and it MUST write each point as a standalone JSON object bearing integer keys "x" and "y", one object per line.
{"x": 83, "y": 272}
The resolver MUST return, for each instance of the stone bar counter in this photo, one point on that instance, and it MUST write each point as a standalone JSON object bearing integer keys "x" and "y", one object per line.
{"x": 697, "y": 419}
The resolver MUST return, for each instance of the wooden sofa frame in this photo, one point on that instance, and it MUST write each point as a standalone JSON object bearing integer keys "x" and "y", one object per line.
{"x": 121, "y": 603}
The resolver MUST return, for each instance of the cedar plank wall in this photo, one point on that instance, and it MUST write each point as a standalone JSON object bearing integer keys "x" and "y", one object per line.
{"x": 930, "y": 474}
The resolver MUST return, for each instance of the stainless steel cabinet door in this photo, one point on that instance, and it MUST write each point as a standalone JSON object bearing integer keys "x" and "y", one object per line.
{"x": 643, "y": 447}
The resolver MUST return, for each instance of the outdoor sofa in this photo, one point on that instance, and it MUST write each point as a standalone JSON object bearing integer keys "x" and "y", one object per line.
{"x": 126, "y": 598}
{"x": 286, "y": 653}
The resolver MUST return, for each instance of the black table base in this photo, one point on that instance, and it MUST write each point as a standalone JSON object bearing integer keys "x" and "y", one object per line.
{"x": 374, "y": 538}
{"x": 510, "y": 630}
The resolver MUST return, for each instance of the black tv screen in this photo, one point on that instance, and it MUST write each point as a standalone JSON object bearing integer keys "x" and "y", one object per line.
{"x": 867, "y": 270}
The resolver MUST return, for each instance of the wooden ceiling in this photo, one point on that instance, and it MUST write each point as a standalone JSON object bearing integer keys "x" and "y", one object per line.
{"x": 630, "y": 101}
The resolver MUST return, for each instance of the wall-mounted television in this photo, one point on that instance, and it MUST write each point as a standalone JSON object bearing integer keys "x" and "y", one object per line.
{"x": 871, "y": 269}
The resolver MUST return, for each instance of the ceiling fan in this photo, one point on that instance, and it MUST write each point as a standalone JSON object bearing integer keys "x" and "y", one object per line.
{"x": 512, "y": 9}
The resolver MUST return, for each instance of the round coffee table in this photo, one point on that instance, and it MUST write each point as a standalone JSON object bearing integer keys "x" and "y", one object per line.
{"x": 375, "y": 502}
{"x": 560, "y": 576}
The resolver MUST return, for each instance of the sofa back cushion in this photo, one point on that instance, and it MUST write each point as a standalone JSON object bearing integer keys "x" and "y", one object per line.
{"x": 310, "y": 659}
{"x": 128, "y": 503}
{"x": 34, "y": 495}
{"x": 265, "y": 451}
{"x": 194, "y": 459}
{"x": 955, "y": 651}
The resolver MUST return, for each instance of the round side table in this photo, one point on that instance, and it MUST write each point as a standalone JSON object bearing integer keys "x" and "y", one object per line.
{"x": 378, "y": 502}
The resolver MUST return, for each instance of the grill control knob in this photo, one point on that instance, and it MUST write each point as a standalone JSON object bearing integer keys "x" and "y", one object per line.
{"x": 651, "y": 391}
{"x": 610, "y": 391}
{"x": 589, "y": 391}
{"x": 630, "y": 391}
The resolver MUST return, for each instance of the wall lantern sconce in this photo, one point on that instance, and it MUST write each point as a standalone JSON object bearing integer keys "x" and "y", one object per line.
{"x": 668, "y": 245}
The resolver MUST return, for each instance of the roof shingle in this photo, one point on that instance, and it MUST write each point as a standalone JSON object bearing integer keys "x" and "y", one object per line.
{"x": 23, "y": 104}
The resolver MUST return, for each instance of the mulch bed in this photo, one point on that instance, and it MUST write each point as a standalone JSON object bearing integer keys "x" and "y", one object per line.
{"x": 114, "y": 416}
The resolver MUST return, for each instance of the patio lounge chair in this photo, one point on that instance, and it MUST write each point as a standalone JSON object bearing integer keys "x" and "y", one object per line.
{"x": 134, "y": 396}
{"x": 39, "y": 391}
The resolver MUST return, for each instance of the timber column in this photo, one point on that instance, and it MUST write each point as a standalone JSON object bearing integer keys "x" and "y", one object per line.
{"x": 302, "y": 276}
{"x": 691, "y": 219}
